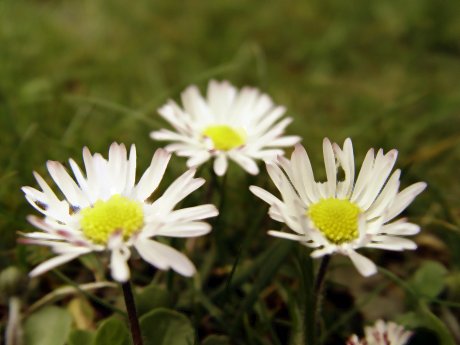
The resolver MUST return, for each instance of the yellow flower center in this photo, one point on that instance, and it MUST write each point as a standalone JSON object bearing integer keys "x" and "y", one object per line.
{"x": 336, "y": 219}
{"x": 116, "y": 214}
{"x": 225, "y": 137}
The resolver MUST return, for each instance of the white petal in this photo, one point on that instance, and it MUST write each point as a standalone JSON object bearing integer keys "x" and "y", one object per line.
{"x": 220, "y": 165}
{"x": 220, "y": 97}
{"x": 365, "y": 266}
{"x": 194, "y": 104}
{"x": 264, "y": 195}
{"x": 382, "y": 169}
{"x": 269, "y": 154}
{"x": 198, "y": 158}
{"x": 274, "y": 132}
{"x": 269, "y": 119}
{"x": 392, "y": 243}
{"x": 288, "y": 194}
{"x": 117, "y": 167}
{"x": 364, "y": 174}
{"x": 119, "y": 264}
{"x": 51, "y": 196}
{"x": 286, "y": 141}
{"x": 193, "y": 213}
{"x": 131, "y": 173}
{"x": 153, "y": 175}
{"x": 164, "y": 257}
{"x": 178, "y": 190}
{"x": 92, "y": 177}
{"x": 66, "y": 184}
{"x": 172, "y": 113}
{"x": 52, "y": 263}
{"x": 301, "y": 163}
{"x": 79, "y": 177}
{"x": 327, "y": 250}
{"x": 403, "y": 199}
{"x": 401, "y": 228}
{"x": 288, "y": 236}
{"x": 245, "y": 162}
{"x": 345, "y": 158}
{"x": 386, "y": 197}
{"x": 188, "y": 229}
{"x": 167, "y": 135}
{"x": 331, "y": 170}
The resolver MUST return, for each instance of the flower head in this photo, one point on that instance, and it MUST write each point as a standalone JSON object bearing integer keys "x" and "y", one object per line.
{"x": 382, "y": 333}
{"x": 342, "y": 216}
{"x": 240, "y": 125}
{"x": 106, "y": 211}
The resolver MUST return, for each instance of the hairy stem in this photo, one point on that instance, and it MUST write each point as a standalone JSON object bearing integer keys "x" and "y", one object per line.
{"x": 132, "y": 314}
{"x": 318, "y": 294}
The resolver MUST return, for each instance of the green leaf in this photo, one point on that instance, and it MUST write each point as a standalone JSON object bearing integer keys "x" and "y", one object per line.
{"x": 423, "y": 314}
{"x": 151, "y": 297}
{"x": 48, "y": 326}
{"x": 166, "y": 327}
{"x": 216, "y": 340}
{"x": 112, "y": 331}
{"x": 429, "y": 280}
{"x": 411, "y": 320}
{"x": 80, "y": 337}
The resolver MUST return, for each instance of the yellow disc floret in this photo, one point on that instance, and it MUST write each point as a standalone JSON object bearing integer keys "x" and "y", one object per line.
{"x": 336, "y": 219}
{"x": 225, "y": 137}
{"x": 116, "y": 214}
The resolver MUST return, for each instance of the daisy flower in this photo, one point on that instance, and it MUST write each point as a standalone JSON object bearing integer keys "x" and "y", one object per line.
{"x": 341, "y": 216}
{"x": 382, "y": 333}
{"x": 105, "y": 211}
{"x": 242, "y": 125}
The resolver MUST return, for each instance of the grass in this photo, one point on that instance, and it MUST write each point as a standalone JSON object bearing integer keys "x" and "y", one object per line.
{"x": 86, "y": 73}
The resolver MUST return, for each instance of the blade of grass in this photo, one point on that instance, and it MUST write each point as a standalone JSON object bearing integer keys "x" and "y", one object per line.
{"x": 64, "y": 291}
{"x": 268, "y": 269}
{"x": 96, "y": 299}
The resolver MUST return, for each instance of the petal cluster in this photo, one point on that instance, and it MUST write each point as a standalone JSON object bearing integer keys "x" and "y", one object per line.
{"x": 106, "y": 179}
{"x": 375, "y": 191}
{"x": 242, "y": 125}
{"x": 382, "y": 333}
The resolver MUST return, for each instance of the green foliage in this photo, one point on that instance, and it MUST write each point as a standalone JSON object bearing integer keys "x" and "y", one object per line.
{"x": 216, "y": 340}
{"x": 112, "y": 331}
{"x": 86, "y": 73}
{"x": 80, "y": 337}
{"x": 429, "y": 280}
{"x": 151, "y": 297}
{"x": 48, "y": 326}
{"x": 166, "y": 327}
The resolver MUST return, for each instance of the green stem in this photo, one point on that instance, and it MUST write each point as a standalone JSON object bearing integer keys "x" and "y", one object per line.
{"x": 319, "y": 282}
{"x": 221, "y": 184}
{"x": 318, "y": 299}
{"x": 307, "y": 296}
{"x": 132, "y": 314}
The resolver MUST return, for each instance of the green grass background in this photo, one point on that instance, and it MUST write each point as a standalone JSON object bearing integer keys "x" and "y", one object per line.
{"x": 88, "y": 72}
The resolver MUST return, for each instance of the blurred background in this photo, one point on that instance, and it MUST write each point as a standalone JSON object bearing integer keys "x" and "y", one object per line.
{"x": 88, "y": 72}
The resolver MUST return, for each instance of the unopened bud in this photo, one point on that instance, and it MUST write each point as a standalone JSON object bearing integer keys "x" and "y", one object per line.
{"x": 12, "y": 282}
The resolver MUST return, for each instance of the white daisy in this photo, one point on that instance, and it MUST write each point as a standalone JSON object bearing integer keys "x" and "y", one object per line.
{"x": 106, "y": 211}
{"x": 229, "y": 124}
{"x": 342, "y": 216}
{"x": 382, "y": 333}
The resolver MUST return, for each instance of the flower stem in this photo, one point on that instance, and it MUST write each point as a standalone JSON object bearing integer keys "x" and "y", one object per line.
{"x": 307, "y": 297}
{"x": 318, "y": 293}
{"x": 319, "y": 281}
{"x": 132, "y": 314}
